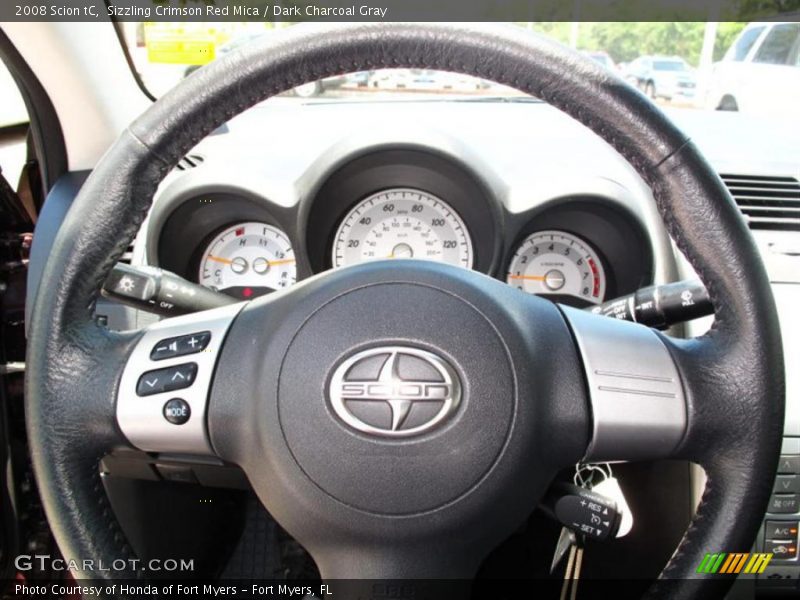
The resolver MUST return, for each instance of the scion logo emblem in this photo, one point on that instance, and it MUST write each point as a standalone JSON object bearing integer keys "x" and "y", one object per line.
{"x": 395, "y": 391}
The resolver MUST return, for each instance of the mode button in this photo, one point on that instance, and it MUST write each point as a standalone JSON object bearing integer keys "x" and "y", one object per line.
{"x": 177, "y": 411}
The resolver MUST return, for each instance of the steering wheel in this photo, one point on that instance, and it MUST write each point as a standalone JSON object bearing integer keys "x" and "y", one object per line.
{"x": 401, "y": 418}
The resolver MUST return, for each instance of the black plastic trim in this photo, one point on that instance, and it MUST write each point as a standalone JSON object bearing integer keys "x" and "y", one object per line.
{"x": 55, "y": 208}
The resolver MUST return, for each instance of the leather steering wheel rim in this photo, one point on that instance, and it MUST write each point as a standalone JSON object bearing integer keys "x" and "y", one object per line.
{"x": 732, "y": 376}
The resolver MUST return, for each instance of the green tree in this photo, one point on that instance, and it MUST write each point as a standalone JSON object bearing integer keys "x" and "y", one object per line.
{"x": 726, "y": 34}
{"x": 626, "y": 41}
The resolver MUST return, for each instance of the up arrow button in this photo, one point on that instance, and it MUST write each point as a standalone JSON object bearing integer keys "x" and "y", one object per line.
{"x": 789, "y": 465}
{"x": 168, "y": 379}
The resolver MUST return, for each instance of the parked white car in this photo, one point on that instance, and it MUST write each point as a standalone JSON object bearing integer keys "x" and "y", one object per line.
{"x": 760, "y": 73}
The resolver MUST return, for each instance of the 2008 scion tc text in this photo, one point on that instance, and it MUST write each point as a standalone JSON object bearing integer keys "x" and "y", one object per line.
{"x": 46, "y": 10}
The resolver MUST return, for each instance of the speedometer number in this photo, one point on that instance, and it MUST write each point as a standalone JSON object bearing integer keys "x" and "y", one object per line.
{"x": 402, "y": 223}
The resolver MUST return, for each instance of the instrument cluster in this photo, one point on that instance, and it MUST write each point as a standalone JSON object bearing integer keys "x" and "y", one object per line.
{"x": 404, "y": 204}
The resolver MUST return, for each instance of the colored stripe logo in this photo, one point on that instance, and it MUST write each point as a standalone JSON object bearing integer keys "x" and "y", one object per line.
{"x": 734, "y": 563}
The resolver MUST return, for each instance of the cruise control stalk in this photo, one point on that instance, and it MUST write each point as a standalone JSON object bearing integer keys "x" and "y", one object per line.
{"x": 161, "y": 292}
{"x": 660, "y": 306}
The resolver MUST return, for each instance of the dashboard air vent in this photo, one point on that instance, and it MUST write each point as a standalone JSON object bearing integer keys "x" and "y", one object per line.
{"x": 766, "y": 202}
{"x": 190, "y": 161}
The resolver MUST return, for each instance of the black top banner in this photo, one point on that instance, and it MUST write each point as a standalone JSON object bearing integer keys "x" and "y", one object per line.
{"x": 399, "y": 10}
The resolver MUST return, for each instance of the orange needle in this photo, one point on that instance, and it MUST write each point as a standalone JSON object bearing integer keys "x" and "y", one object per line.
{"x": 218, "y": 259}
{"x": 271, "y": 263}
{"x": 530, "y": 277}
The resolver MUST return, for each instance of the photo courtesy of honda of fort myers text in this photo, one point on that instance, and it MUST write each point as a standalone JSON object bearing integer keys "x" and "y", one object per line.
{"x": 694, "y": 59}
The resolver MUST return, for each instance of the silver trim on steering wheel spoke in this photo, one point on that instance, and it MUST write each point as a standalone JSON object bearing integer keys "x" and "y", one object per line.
{"x": 636, "y": 394}
{"x": 140, "y": 399}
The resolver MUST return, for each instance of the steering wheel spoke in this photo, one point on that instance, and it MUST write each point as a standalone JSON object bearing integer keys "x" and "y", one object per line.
{"x": 163, "y": 395}
{"x": 635, "y": 390}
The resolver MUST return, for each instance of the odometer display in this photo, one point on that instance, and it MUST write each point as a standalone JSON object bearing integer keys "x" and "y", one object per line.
{"x": 558, "y": 264}
{"x": 402, "y": 223}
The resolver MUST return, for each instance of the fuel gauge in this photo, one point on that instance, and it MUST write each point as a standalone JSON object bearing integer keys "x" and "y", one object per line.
{"x": 247, "y": 260}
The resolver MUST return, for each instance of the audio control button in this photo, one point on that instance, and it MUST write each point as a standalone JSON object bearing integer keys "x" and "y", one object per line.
{"x": 180, "y": 346}
{"x": 170, "y": 379}
{"x": 177, "y": 411}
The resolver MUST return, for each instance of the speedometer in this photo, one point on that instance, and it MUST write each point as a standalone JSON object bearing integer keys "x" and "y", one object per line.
{"x": 248, "y": 260}
{"x": 558, "y": 264}
{"x": 402, "y": 223}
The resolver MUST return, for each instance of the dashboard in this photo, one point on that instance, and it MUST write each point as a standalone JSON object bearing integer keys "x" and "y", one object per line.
{"x": 401, "y": 202}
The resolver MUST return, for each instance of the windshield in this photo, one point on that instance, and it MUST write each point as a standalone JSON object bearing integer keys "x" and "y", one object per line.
{"x": 165, "y": 53}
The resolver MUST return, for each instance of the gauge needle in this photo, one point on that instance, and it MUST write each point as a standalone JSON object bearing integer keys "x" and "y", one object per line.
{"x": 271, "y": 263}
{"x": 528, "y": 277}
{"x": 219, "y": 259}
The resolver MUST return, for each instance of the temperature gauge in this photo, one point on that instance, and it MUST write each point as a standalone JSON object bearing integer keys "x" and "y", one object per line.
{"x": 248, "y": 260}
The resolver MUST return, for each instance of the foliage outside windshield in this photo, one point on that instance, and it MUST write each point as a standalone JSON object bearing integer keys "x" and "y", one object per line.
{"x": 165, "y": 53}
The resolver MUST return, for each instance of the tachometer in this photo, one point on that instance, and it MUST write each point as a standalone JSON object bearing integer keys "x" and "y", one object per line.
{"x": 402, "y": 223}
{"x": 248, "y": 260}
{"x": 560, "y": 264}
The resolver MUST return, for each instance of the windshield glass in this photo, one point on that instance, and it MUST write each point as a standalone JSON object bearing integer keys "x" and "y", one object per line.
{"x": 165, "y": 53}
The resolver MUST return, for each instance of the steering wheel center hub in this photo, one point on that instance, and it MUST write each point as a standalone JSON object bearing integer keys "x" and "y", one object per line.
{"x": 401, "y": 410}
{"x": 398, "y": 392}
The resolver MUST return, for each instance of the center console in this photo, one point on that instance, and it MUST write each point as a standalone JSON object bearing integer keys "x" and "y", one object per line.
{"x": 779, "y": 532}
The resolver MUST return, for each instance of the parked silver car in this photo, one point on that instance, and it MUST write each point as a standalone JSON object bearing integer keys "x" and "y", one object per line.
{"x": 668, "y": 77}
